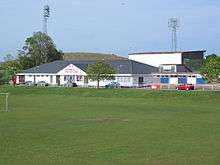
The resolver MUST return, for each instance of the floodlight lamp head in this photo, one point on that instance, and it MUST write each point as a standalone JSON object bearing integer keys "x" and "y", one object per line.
{"x": 173, "y": 23}
{"x": 46, "y": 11}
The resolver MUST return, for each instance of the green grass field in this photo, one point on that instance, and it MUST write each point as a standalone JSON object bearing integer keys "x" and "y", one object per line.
{"x": 58, "y": 126}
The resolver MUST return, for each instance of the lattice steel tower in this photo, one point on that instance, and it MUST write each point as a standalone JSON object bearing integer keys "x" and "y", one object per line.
{"x": 174, "y": 25}
{"x": 46, "y": 15}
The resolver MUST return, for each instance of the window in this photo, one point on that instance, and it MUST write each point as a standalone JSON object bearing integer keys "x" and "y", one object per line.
{"x": 124, "y": 79}
{"x": 167, "y": 68}
{"x": 140, "y": 80}
{"x": 127, "y": 79}
{"x": 64, "y": 78}
{"x": 30, "y": 76}
{"x": 119, "y": 79}
{"x": 173, "y": 69}
{"x": 79, "y": 78}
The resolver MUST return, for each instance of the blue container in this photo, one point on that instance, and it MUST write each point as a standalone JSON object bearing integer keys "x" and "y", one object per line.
{"x": 200, "y": 81}
{"x": 182, "y": 80}
{"x": 164, "y": 80}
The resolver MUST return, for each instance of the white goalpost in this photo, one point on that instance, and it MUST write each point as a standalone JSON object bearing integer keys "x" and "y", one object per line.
{"x": 4, "y": 102}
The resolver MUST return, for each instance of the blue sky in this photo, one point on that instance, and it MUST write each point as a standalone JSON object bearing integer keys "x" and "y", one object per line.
{"x": 112, "y": 26}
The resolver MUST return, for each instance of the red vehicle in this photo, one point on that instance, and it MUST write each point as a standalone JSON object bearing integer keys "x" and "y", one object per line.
{"x": 185, "y": 87}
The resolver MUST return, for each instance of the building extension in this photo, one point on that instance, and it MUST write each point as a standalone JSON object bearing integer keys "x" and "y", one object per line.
{"x": 174, "y": 67}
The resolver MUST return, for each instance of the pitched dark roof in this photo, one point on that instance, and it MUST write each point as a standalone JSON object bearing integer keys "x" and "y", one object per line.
{"x": 83, "y": 56}
{"x": 120, "y": 66}
{"x": 141, "y": 53}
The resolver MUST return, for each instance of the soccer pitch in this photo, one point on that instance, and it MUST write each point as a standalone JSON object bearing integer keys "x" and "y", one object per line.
{"x": 88, "y": 126}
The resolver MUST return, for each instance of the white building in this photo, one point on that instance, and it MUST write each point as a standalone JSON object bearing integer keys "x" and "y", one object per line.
{"x": 139, "y": 69}
{"x": 173, "y": 66}
{"x": 128, "y": 73}
{"x": 158, "y": 58}
{"x": 177, "y": 74}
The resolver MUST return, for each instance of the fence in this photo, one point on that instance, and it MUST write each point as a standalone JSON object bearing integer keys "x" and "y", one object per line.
{"x": 205, "y": 87}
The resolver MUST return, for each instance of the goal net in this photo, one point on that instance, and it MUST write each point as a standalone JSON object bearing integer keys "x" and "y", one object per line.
{"x": 4, "y": 102}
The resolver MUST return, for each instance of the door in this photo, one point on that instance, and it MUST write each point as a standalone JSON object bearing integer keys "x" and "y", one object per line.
{"x": 182, "y": 80}
{"x": 21, "y": 79}
{"x": 200, "y": 81}
{"x": 34, "y": 79}
{"x": 72, "y": 79}
{"x": 51, "y": 80}
{"x": 58, "y": 80}
{"x": 140, "y": 80}
{"x": 86, "y": 81}
{"x": 164, "y": 80}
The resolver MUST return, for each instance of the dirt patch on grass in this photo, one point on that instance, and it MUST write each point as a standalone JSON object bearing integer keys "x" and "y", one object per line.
{"x": 101, "y": 120}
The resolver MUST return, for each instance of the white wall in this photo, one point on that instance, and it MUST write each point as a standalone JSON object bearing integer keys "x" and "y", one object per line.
{"x": 191, "y": 80}
{"x": 125, "y": 80}
{"x": 54, "y": 80}
{"x": 62, "y": 80}
{"x": 29, "y": 78}
{"x": 71, "y": 70}
{"x": 17, "y": 79}
{"x": 43, "y": 78}
{"x": 101, "y": 83}
{"x": 199, "y": 76}
{"x": 174, "y": 80}
{"x": 38, "y": 77}
{"x": 80, "y": 83}
{"x": 157, "y": 59}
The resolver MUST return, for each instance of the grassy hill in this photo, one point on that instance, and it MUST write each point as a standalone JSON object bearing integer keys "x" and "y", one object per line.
{"x": 89, "y": 126}
{"x": 91, "y": 57}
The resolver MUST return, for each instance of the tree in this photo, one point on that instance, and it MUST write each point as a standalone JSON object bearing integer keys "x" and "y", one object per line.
{"x": 8, "y": 57}
{"x": 100, "y": 71}
{"x": 211, "y": 68}
{"x": 38, "y": 49}
{"x": 3, "y": 75}
{"x": 8, "y": 68}
{"x": 193, "y": 64}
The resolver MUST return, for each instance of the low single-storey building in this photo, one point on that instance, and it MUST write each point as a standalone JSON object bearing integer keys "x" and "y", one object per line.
{"x": 174, "y": 67}
{"x": 177, "y": 74}
{"x": 58, "y": 73}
